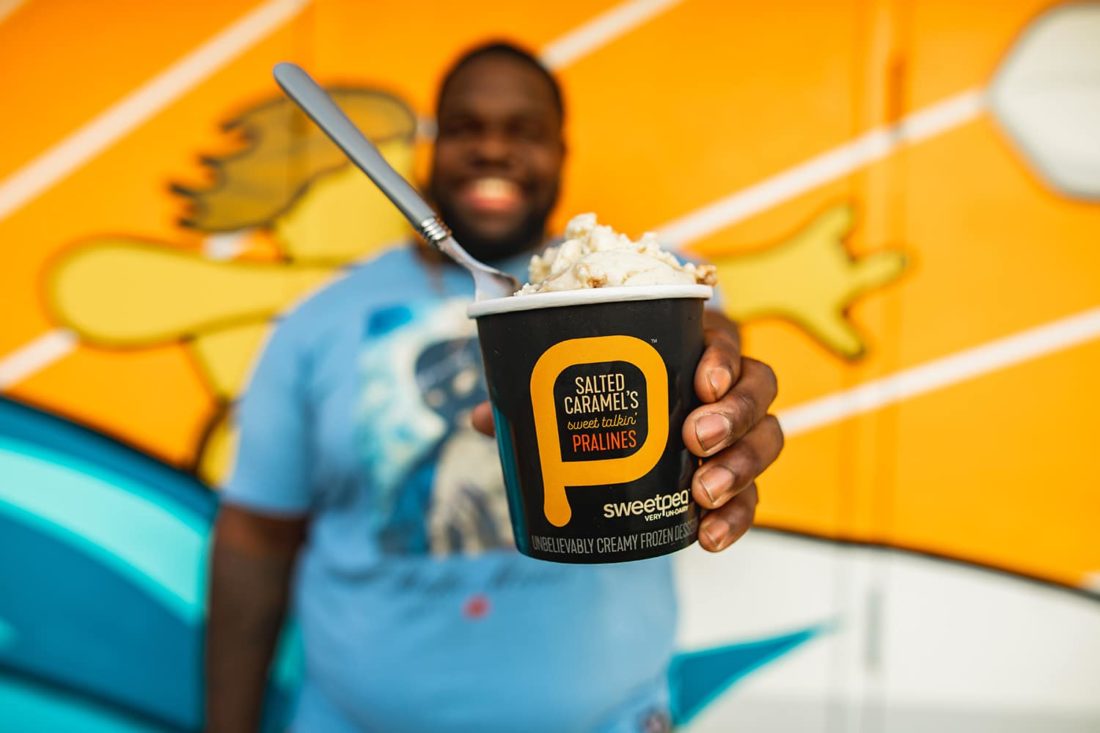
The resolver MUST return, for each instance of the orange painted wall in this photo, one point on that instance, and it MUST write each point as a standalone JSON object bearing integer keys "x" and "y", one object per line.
{"x": 702, "y": 101}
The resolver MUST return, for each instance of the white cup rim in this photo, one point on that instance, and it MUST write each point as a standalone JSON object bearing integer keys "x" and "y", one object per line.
{"x": 587, "y": 296}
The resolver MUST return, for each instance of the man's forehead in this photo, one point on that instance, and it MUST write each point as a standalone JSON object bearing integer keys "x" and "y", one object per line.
{"x": 498, "y": 82}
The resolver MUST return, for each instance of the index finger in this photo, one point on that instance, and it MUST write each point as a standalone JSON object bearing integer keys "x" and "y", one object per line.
{"x": 711, "y": 427}
{"x": 482, "y": 419}
{"x": 720, "y": 366}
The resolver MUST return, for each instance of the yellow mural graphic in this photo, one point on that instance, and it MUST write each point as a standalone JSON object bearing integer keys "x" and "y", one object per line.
{"x": 810, "y": 279}
{"x": 287, "y": 183}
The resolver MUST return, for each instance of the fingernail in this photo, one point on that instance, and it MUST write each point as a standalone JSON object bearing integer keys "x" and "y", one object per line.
{"x": 711, "y": 429}
{"x": 717, "y": 529}
{"x": 720, "y": 380}
{"x": 716, "y": 482}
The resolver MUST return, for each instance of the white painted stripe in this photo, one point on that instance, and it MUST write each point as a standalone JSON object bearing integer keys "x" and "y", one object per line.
{"x": 7, "y": 7}
{"x": 980, "y": 360}
{"x": 942, "y": 117}
{"x": 824, "y": 168}
{"x": 601, "y": 30}
{"x": 35, "y": 356}
{"x": 426, "y": 128}
{"x": 945, "y": 372}
{"x": 142, "y": 104}
{"x": 224, "y": 246}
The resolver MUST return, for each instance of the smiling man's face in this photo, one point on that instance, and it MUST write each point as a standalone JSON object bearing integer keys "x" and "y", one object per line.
{"x": 498, "y": 156}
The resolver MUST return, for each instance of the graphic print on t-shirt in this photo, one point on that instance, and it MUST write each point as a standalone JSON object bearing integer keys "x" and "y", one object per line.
{"x": 435, "y": 483}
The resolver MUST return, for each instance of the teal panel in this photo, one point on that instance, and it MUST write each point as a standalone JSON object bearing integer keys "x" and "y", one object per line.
{"x": 29, "y": 708}
{"x": 159, "y": 547}
{"x": 7, "y": 633}
{"x": 697, "y": 678}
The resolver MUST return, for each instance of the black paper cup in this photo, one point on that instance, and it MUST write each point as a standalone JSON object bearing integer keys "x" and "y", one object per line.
{"x": 590, "y": 389}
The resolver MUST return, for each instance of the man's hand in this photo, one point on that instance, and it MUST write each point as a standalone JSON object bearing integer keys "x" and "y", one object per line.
{"x": 732, "y": 430}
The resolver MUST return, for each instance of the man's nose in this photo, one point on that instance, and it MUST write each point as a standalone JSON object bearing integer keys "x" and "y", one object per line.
{"x": 493, "y": 147}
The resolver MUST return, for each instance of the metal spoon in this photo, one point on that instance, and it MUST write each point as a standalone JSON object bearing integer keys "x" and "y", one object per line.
{"x": 489, "y": 282}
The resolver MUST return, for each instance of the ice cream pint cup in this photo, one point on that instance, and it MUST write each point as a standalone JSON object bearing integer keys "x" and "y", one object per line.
{"x": 590, "y": 389}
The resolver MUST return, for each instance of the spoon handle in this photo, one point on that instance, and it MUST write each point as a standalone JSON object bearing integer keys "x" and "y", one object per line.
{"x": 316, "y": 103}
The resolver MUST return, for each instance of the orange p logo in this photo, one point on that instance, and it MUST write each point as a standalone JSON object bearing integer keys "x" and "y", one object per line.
{"x": 558, "y": 473}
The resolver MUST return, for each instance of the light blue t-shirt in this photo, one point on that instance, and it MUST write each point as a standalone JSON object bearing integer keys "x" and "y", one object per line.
{"x": 416, "y": 612}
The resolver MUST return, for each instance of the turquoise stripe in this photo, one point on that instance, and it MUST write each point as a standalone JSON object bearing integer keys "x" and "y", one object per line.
{"x": 118, "y": 479}
{"x": 158, "y": 547}
{"x": 698, "y": 678}
{"x": 27, "y": 708}
{"x": 289, "y": 665}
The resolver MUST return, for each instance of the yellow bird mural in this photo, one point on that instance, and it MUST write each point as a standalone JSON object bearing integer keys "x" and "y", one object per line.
{"x": 291, "y": 210}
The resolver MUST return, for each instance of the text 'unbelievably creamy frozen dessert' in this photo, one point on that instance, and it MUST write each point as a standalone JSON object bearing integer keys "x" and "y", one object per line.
{"x": 595, "y": 256}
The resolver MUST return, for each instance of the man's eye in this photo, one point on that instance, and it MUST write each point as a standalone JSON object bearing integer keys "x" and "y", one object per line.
{"x": 528, "y": 130}
{"x": 457, "y": 129}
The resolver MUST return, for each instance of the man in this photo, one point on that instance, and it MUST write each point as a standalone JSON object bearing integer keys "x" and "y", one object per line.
{"x": 416, "y": 613}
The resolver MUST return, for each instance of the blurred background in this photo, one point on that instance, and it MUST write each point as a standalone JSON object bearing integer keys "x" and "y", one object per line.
{"x": 902, "y": 198}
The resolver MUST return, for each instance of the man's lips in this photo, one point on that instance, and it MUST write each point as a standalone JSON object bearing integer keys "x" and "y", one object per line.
{"x": 491, "y": 195}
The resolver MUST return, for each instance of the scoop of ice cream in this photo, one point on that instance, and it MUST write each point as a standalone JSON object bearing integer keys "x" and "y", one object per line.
{"x": 596, "y": 256}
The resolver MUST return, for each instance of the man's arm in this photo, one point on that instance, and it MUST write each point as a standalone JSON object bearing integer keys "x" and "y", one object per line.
{"x": 250, "y": 575}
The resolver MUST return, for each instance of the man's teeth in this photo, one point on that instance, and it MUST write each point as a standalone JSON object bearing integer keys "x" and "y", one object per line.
{"x": 495, "y": 188}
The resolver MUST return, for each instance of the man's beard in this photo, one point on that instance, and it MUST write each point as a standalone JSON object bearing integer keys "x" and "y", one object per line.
{"x": 526, "y": 235}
